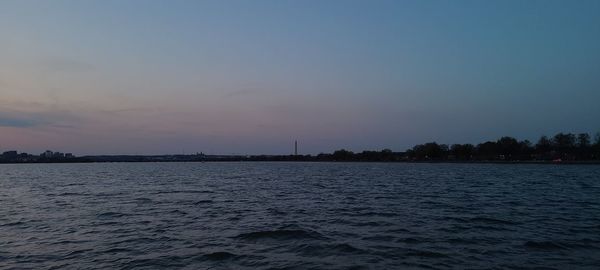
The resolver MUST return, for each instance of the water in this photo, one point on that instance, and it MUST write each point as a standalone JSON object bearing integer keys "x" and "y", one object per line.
{"x": 299, "y": 216}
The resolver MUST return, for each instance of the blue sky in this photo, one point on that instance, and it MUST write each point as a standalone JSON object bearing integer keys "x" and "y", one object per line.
{"x": 151, "y": 77}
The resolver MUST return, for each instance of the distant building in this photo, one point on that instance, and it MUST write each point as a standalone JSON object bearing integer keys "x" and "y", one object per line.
{"x": 47, "y": 154}
{"x": 10, "y": 154}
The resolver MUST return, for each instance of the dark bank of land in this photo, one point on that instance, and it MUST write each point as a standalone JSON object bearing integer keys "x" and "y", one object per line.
{"x": 565, "y": 148}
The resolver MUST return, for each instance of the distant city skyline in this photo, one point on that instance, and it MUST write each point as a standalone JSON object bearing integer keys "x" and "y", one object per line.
{"x": 252, "y": 77}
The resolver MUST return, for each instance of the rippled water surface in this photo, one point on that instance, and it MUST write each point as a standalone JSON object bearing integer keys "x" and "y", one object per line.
{"x": 299, "y": 216}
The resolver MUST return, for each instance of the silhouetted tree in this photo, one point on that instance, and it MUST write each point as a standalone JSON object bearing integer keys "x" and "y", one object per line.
{"x": 584, "y": 147}
{"x": 383, "y": 155}
{"x": 343, "y": 155}
{"x": 596, "y": 146}
{"x": 543, "y": 148}
{"x": 564, "y": 145}
{"x": 487, "y": 151}
{"x": 508, "y": 147}
{"x": 525, "y": 150}
{"x": 429, "y": 151}
{"x": 386, "y": 155}
{"x": 323, "y": 157}
{"x": 462, "y": 151}
{"x": 583, "y": 140}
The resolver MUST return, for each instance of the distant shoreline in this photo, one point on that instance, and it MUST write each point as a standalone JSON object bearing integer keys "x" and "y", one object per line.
{"x": 512, "y": 162}
{"x": 562, "y": 148}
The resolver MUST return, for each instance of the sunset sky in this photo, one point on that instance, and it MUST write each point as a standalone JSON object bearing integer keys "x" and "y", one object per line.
{"x": 222, "y": 77}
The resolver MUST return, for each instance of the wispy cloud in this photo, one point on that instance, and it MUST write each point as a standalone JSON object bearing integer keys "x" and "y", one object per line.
{"x": 133, "y": 110}
{"x": 64, "y": 64}
{"x": 245, "y": 92}
{"x": 46, "y": 118}
{"x": 7, "y": 121}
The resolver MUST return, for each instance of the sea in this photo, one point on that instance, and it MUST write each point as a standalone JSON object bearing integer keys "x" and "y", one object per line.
{"x": 295, "y": 215}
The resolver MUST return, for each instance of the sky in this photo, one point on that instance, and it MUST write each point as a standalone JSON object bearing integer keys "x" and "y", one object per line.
{"x": 250, "y": 77}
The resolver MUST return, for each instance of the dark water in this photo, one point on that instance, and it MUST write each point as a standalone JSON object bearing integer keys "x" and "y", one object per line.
{"x": 299, "y": 216}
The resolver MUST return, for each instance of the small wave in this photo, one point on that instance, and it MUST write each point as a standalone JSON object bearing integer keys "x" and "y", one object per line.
{"x": 544, "y": 245}
{"x": 426, "y": 254}
{"x": 219, "y": 256}
{"x": 374, "y": 214}
{"x": 491, "y": 228}
{"x": 327, "y": 250}
{"x": 16, "y": 223}
{"x": 374, "y": 224}
{"x": 276, "y": 212}
{"x": 461, "y": 241}
{"x": 65, "y": 242}
{"x": 111, "y": 215}
{"x": 156, "y": 263}
{"x": 455, "y": 229}
{"x": 179, "y": 212}
{"x": 281, "y": 234}
{"x": 109, "y": 194}
{"x": 379, "y": 238}
{"x": 143, "y": 200}
{"x": 183, "y": 191}
{"x": 339, "y": 221}
{"x": 143, "y": 240}
{"x": 344, "y": 248}
{"x": 358, "y": 267}
{"x": 71, "y": 194}
{"x": 77, "y": 252}
{"x": 492, "y": 221}
{"x": 410, "y": 240}
{"x": 356, "y": 209}
{"x": 398, "y": 231}
{"x": 117, "y": 250}
{"x": 203, "y": 202}
{"x": 585, "y": 244}
{"x": 227, "y": 256}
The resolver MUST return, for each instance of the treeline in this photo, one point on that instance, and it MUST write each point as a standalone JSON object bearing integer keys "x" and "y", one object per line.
{"x": 566, "y": 147}
{"x": 560, "y": 147}
{"x": 345, "y": 155}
